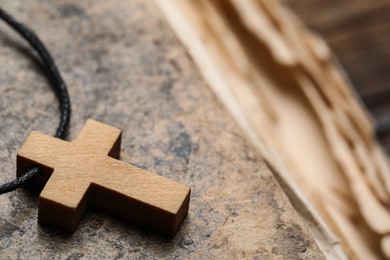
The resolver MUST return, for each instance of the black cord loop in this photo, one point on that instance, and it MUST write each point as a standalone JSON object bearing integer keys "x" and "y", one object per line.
{"x": 58, "y": 85}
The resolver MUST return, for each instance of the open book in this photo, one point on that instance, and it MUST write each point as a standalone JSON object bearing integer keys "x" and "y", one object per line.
{"x": 287, "y": 91}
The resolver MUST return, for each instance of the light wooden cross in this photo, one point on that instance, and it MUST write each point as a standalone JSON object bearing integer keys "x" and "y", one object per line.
{"x": 87, "y": 172}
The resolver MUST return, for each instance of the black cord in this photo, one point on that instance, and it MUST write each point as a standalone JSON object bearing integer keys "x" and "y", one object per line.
{"x": 58, "y": 86}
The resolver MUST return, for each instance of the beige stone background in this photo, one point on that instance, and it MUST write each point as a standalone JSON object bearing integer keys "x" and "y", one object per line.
{"x": 124, "y": 66}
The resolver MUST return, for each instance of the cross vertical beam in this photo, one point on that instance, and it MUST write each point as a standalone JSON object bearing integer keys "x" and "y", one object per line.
{"x": 86, "y": 172}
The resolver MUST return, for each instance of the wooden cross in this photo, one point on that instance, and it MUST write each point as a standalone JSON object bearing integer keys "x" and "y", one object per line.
{"x": 86, "y": 172}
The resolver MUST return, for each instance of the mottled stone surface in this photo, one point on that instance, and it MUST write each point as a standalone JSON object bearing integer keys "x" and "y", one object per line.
{"x": 124, "y": 67}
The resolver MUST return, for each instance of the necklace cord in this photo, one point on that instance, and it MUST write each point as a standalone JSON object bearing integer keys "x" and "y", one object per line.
{"x": 58, "y": 85}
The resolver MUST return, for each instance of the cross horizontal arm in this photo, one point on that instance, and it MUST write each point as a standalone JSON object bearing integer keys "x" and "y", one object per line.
{"x": 85, "y": 172}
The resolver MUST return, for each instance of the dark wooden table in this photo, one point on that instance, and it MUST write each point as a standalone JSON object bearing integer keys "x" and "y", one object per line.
{"x": 358, "y": 31}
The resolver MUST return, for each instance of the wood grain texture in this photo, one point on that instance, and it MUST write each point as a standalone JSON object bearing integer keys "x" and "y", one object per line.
{"x": 125, "y": 67}
{"x": 86, "y": 172}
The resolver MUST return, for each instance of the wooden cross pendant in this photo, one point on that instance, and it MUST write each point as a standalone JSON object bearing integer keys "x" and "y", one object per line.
{"x": 87, "y": 172}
